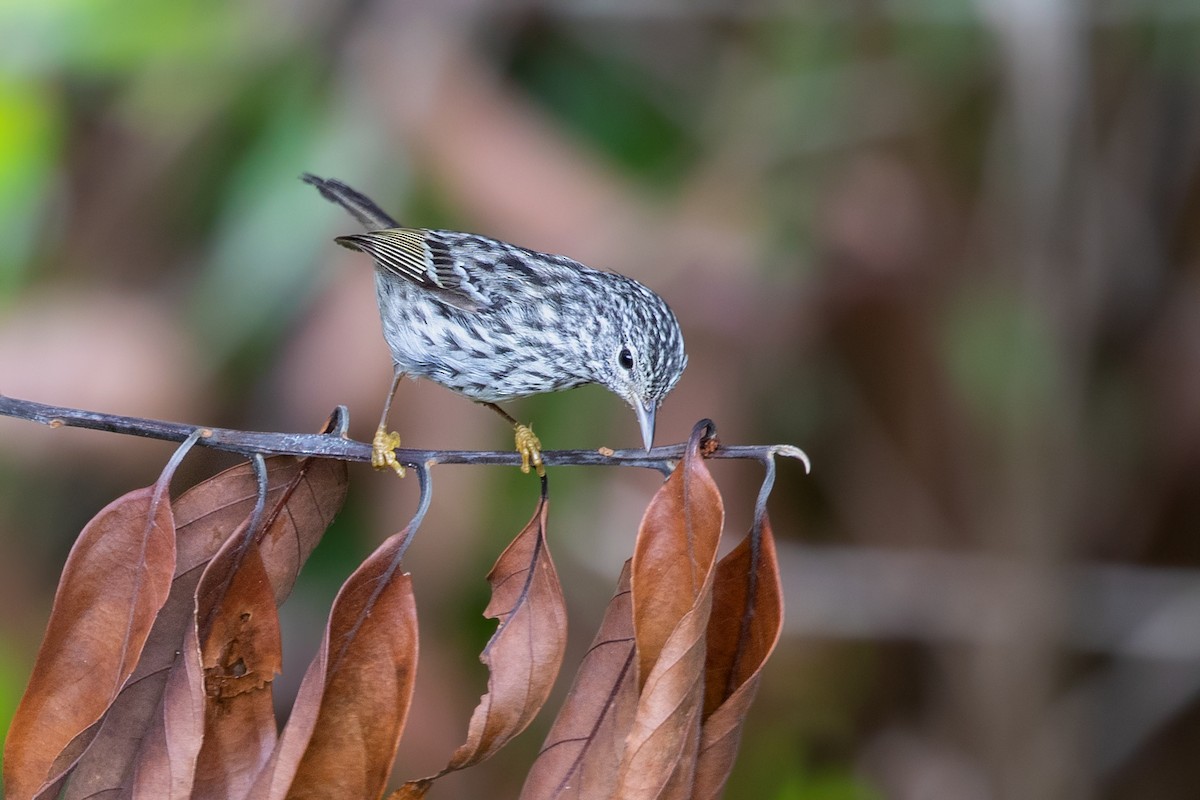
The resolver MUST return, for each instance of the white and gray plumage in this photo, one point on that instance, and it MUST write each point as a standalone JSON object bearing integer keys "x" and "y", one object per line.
{"x": 495, "y": 322}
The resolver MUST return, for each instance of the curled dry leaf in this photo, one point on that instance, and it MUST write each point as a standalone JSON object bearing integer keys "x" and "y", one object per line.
{"x": 166, "y": 754}
{"x": 582, "y": 752}
{"x": 525, "y": 653}
{"x": 743, "y": 630}
{"x": 413, "y": 790}
{"x": 305, "y": 496}
{"x": 674, "y": 554}
{"x": 240, "y": 649}
{"x": 345, "y": 726}
{"x": 664, "y": 740}
{"x": 672, "y": 598}
{"x": 113, "y": 584}
{"x": 702, "y": 636}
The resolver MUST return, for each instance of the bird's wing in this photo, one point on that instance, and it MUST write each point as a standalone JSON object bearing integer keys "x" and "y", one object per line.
{"x": 421, "y": 257}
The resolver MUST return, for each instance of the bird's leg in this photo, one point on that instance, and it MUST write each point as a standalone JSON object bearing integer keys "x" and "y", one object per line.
{"x": 528, "y": 444}
{"x": 383, "y": 446}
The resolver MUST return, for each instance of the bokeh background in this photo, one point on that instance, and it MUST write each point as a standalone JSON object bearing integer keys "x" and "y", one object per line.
{"x": 950, "y": 248}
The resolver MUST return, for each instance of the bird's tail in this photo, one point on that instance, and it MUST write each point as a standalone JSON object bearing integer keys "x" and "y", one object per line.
{"x": 361, "y": 207}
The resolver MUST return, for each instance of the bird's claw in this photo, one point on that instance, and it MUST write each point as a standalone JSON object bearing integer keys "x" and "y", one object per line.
{"x": 383, "y": 451}
{"x": 530, "y": 448}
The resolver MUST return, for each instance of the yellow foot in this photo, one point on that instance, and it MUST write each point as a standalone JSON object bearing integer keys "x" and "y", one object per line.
{"x": 383, "y": 451}
{"x": 530, "y": 449}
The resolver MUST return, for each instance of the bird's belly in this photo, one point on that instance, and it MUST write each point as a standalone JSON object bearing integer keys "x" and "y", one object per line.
{"x": 467, "y": 353}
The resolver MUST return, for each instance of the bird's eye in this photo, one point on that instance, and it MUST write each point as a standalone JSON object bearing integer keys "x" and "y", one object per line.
{"x": 625, "y": 358}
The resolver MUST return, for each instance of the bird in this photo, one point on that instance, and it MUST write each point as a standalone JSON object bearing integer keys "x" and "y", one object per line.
{"x": 495, "y": 322}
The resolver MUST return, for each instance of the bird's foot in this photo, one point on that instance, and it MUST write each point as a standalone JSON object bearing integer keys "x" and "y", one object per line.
{"x": 383, "y": 451}
{"x": 530, "y": 448}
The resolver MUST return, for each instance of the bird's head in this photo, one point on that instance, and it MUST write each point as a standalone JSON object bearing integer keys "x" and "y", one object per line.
{"x": 644, "y": 358}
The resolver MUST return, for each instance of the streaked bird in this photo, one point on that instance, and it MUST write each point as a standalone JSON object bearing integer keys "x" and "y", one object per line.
{"x": 495, "y": 322}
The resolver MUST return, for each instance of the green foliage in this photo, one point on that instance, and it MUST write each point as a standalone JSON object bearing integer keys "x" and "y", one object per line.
{"x": 770, "y": 767}
{"x": 607, "y": 101}
{"x": 30, "y": 135}
{"x": 235, "y": 306}
{"x": 12, "y": 683}
{"x": 1001, "y": 357}
{"x": 113, "y": 36}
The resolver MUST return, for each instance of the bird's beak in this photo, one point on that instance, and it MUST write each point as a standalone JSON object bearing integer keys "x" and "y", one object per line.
{"x": 645, "y": 422}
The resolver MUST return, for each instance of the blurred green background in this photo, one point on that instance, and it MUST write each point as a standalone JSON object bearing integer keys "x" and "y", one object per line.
{"x": 952, "y": 249}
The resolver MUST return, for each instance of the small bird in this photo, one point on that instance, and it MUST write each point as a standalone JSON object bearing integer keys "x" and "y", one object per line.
{"x": 494, "y": 322}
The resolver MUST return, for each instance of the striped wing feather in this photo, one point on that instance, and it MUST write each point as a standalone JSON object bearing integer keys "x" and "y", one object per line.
{"x": 418, "y": 257}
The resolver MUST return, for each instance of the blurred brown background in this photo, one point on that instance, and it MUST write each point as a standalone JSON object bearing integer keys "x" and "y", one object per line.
{"x": 949, "y": 248}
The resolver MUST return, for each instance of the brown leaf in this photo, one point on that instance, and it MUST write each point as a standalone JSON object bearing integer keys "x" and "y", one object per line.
{"x": 672, "y": 598}
{"x": 238, "y": 631}
{"x": 164, "y": 768}
{"x": 743, "y": 630}
{"x": 345, "y": 726}
{"x": 661, "y": 748}
{"x": 525, "y": 653}
{"x": 113, "y": 584}
{"x": 307, "y": 495}
{"x": 673, "y": 558}
{"x": 582, "y": 751}
{"x": 413, "y": 790}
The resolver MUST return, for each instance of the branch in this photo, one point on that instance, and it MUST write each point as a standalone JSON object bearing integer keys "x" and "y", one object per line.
{"x": 337, "y": 446}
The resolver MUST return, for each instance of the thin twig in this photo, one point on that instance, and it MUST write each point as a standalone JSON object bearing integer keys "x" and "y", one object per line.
{"x": 251, "y": 443}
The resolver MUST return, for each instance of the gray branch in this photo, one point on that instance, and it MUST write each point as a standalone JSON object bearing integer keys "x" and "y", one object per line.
{"x": 336, "y": 445}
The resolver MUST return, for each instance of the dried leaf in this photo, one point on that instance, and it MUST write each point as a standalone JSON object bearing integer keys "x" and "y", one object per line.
{"x": 672, "y": 597}
{"x": 165, "y": 764}
{"x": 306, "y": 496}
{"x": 663, "y": 742}
{"x": 582, "y": 751}
{"x": 113, "y": 584}
{"x": 525, "y": 653}
{"x": 744, "y": 628}
{"x": 238, "y": 631}
{"x": 413, "y": 790}
{"x": 673, "y": 558}
{"x": 345, "y": 726}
